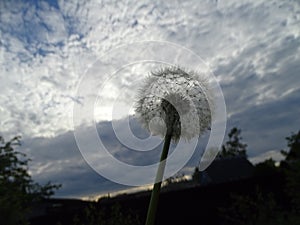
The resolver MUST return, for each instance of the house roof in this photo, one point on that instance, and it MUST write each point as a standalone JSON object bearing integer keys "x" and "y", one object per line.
{"x": 228, "y": 169}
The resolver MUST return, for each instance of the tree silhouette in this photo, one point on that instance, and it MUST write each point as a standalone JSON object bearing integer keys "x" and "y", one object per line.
{"x": 234, "y": 146}
{"x": 266, "y": 168}
{"x": 196, "y": 175}
{"x": 258, "y": 207}
{"x": 294, "y": 147}
{"x": 291, "y": 167}
{"x": 17, "y": 189}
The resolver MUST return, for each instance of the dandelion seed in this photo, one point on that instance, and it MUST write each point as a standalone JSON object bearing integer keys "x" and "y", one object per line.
{"x": 186, "y": 92}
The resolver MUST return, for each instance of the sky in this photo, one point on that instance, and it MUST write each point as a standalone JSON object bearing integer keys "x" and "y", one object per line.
{"x": 48, "y": 49}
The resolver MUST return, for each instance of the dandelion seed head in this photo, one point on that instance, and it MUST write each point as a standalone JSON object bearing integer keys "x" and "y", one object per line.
{"x": 173, "y": 100}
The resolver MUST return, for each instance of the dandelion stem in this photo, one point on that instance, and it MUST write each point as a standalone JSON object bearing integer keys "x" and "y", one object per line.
{"x": 158, "y": 180}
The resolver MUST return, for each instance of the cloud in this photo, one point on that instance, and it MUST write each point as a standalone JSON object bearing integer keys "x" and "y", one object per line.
{"x": 265, "y": 126}
{"x": 58, "y": 159}
{"x": 47, "y": 48}
{"x": 274, "y": 154}
{"x": 252, "y": 47}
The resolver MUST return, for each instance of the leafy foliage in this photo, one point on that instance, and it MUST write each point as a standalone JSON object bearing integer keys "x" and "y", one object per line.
{"x": 234, "y": 146}
{"x": 17, "y": 189}
{"x": 115, "y": 215}
{"x": 263, "y": 208}
{"x": 266, "y": 168}
{"x": 252, "y": 210}
{"x": 294, "y": 147}
{"x": 291, "y": 167}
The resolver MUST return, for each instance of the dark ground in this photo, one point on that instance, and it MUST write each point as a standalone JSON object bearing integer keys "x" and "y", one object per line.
{"x": 192, "y": 205}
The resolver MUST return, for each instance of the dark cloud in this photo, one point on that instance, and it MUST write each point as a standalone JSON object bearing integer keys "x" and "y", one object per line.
{"x": 266, "y": 126}
{"x": 58, "y": 159}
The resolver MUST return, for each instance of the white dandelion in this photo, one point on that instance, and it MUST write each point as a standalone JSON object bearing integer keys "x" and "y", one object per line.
{"x": 173, "y": 103}
{"x": 176, "y": 101}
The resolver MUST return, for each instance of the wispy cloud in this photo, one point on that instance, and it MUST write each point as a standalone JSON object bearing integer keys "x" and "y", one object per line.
{"x": 253, "y": 48}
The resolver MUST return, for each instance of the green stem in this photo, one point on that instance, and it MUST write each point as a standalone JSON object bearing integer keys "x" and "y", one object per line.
{"x": 158, "y": 180}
